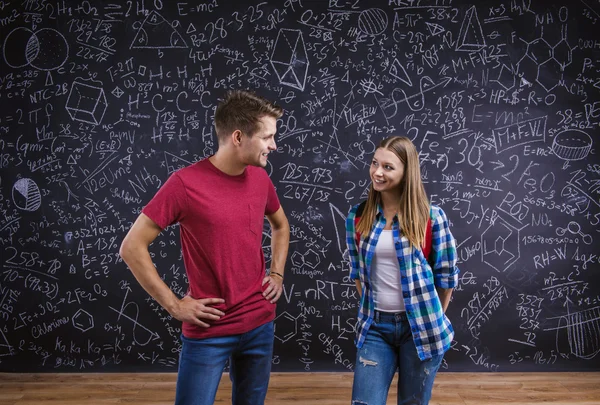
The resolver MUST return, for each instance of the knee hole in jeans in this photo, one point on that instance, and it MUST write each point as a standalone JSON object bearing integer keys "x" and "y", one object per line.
{"x": 366, "y": 362}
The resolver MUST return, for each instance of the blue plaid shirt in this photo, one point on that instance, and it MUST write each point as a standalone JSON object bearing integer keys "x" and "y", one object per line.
{"x": 431, "y": 329}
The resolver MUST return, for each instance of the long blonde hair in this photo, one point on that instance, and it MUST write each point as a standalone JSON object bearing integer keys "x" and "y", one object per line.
{"x": 413, "y": 209}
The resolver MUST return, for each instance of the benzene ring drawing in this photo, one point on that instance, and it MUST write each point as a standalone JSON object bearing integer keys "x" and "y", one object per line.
{"x": 45, "y": 49}
{"x": 289, "y": 58}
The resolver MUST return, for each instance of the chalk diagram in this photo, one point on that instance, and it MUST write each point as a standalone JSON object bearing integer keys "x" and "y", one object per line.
{"x": 45, "y": 49}
{"x": 580, "y": 331}
{"x": 26, "y": 195}
{"x": 500, "y": 245}
{"x": 285, "y": 327}
{"x": 416, "y": 101}
{"x": 157, "y": 33}
{"x": 434, "y": 29}
{"x": 339, "y": 222}
{"x": 572, "y": 144}
{"x": 575, "y": 229}
{"x": 289, "y": 58}
{"x": 83, "y": 320}
{"x": 5, "y": 348}
{"x": 266, "y": 242}
{"x": 174, "y": 163}
{"x": 398, "y": 71}
{"x": 146, "y": 334}
{"x": 309, "y": 259}
{"x": 544, "y": 63}
{"x": 86, "y": 102}
{"x": 372, "y": 21}
{"x": 507, "y": 77}
{"x": 470, "y": 37}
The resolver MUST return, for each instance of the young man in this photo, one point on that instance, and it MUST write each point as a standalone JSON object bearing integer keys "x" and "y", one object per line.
{"x": 220, "y": 204}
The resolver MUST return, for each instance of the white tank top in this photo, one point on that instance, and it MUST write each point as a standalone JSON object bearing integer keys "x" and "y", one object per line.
{"x": 385, "y": 275}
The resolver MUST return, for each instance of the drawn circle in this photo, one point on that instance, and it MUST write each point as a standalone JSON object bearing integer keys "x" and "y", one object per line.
{"x": 26, "y": 195}
{"x": 574, "y": 227}
{"x": 15, "y": 42}
{"x": 572, "y": 144}
{"x": 372, "y": 21}
{"x": 45, "y": 49}
{"x": 50, "y": 48}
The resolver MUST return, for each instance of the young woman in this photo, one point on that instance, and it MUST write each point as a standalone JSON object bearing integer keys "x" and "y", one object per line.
{"x": 403, "y": 260}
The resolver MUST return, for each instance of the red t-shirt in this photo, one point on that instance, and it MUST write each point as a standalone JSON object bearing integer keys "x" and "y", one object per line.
{"x": 221, "y": 220}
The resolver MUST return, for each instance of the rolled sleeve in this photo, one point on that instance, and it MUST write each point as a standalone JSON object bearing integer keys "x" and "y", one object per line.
{"x": 443, "y": 247}
{"x": 351, "y": 244}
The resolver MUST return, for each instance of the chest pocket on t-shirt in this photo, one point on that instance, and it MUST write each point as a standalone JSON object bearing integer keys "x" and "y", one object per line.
{"x": 255, "y": 220}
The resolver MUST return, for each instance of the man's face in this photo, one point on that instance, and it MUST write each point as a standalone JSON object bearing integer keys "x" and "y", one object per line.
{"x": 255, "y": 149}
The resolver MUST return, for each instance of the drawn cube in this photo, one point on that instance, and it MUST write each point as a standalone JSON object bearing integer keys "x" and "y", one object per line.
{"x": 86, "y": 103}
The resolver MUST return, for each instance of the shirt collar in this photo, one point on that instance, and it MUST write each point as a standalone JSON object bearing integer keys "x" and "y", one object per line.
{"x": 379, "y": 210}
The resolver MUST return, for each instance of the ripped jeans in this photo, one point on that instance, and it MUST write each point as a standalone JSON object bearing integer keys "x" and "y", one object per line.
{"x": 389, "y": 347}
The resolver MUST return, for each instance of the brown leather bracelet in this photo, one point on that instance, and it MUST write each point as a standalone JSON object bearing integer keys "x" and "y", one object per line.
{"x": 277, "y": 274}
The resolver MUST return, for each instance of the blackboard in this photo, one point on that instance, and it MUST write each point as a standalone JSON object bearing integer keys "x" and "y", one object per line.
{"x": 100, "y": 102}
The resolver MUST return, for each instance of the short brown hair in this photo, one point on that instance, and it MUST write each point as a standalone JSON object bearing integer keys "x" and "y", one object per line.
{"x": 242, "y": 109}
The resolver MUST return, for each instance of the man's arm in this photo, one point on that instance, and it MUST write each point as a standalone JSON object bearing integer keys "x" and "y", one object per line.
{"x": 134, "y": 251}
{"x": 280, "y": 241}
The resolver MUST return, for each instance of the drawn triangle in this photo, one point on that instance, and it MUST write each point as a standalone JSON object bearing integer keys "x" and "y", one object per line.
{"x": 339, "y": 223}
{"x": 191, "y": 29}
{"x": 174, "y": 162}
{"x": 471, "y": 36}
{"x": 399, "y": 72}
{"x": 157, "y": 33}
{"x": 435, "y": 29}
{"x": 49, "y": 80}
{"x": 5, "y": 348}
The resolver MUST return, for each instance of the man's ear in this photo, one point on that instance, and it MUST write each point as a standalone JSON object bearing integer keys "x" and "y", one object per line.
{"x": 236, "y": 137}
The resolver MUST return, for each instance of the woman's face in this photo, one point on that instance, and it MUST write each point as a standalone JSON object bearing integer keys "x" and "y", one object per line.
{"x": 386, "y": 171}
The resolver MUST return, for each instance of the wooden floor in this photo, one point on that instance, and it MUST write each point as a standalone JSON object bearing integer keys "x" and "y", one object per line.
{"x": 300, "y": 388}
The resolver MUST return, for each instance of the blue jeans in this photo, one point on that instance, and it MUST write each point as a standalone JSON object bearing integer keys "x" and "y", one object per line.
{"x": 389, "y": 347}
{"x": 202, "y": 361}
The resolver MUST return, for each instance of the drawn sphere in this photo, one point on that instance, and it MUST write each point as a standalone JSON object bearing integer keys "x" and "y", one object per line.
{"x": 50, "y": 49}
{"x": 26, "y": 195}
{"x": 15, "y": 43}
{"x": 44, "y": 49}
{"x": 373, "y": 21}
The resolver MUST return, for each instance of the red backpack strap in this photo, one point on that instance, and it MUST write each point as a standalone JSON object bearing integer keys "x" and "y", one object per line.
{"x": 427, "y": 246}
{"x": 359, "y": 212}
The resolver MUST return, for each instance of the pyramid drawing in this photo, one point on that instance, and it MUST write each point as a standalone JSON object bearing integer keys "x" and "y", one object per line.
{"x": 289, "y": 58}
{"x": 157, "y": 33}
{"x": 471, "y": 36}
